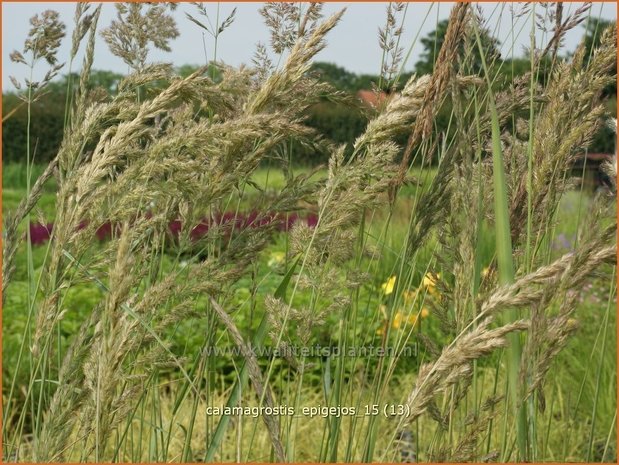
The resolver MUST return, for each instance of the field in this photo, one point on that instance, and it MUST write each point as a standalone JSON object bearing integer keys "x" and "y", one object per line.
{"x": 179, "y": 287}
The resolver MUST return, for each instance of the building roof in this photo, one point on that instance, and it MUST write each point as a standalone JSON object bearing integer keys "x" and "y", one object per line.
{"x": 598, "y": 156}
{"x": 372, "y": 98}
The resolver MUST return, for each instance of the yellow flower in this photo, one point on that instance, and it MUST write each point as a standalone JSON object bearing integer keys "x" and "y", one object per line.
{"x": 412, "y": 320}
{"x": 277, "y": 258}
{"x": 485, "y": 272}
{"x": 409, "y": 296}
{"x": 397, "y": 320}
{"x": 429, "y": 280}
{"x": 388, "y": 286}
{"x": 572, "y": 323}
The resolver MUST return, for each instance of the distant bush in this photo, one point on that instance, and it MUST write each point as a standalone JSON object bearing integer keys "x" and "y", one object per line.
{"x": 47, "y": 117}
{"x": 339, "y": 123}
{"x": 335, "y": 121}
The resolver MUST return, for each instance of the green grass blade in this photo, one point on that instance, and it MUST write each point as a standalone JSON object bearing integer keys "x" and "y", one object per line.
{"x": 504, "y": 257}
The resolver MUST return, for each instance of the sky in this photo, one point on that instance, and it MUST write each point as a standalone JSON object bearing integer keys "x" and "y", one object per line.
{"x": 353, "y": 44}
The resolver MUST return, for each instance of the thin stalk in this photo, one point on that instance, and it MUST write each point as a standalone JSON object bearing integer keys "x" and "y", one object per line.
{"x": 505, "y": 259}
{"x": 530, "y": 146}
{"x": 216, "y": 40}
{"x": 596, "y": 396}
{"x": 29, "y": 258}
{"x": 613, "y": 423}
{"x": 186, "y": 454}
{"x": 528, "y": 258}
{"x": 547, "y": 437}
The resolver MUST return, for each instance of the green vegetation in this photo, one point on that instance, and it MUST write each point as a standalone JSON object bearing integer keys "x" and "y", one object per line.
{"x": 340, "y": 121}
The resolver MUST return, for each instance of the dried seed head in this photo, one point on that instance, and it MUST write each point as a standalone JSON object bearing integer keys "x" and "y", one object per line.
{"x": 135, "y": 27}
{"x": 45, "y": 36}
{"x": 17, "y": 57}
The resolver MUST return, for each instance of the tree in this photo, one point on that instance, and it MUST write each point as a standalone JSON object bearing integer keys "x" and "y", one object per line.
{"x": 347, "y": 81}
{"x": 433, "y": 42}
{"x": 337, "y": 76}
{"x": 47, "y": 116}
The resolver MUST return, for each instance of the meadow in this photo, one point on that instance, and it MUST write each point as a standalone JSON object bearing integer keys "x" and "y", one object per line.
{"x": 177, "y": 287}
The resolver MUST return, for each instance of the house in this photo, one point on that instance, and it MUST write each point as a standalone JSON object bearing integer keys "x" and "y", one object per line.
{"x": 372, "y": 98}
{"x": 589, "y": 167}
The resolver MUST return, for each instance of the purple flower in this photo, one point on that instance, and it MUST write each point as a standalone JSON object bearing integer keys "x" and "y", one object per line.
{"x": 562, "y": 242}
{"x": 175, "y": 228}
{"x": 228, "y": 221}
{"x": 199, "y": 231}
{"x": 40, "y": 233}
{"x": 104, "y": 231}
{"x": 312, "y": 220}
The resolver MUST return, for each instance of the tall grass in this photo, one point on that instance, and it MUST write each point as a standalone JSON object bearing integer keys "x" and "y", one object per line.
{"x": 448, "y": 274}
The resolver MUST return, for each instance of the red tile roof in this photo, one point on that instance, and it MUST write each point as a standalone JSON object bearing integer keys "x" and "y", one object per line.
{"x": 371, "y": 98}
{"x": 599, "y": 156}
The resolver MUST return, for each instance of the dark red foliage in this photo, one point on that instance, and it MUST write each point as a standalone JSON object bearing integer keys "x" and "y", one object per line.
{"x": 40, "y": 233}
{"x": 226, "y": 221}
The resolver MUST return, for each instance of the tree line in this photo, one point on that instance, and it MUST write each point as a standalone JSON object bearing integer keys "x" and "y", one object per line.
{"x": 340, "y": 122}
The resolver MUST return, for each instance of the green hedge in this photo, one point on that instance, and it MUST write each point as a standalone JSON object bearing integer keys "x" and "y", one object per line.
{"x": 338, "y": 122}
{"x": 46, "y": 127}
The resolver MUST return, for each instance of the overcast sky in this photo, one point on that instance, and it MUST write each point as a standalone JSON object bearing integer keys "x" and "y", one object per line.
{"x": 353, "y": 44}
